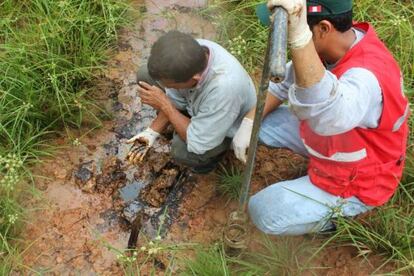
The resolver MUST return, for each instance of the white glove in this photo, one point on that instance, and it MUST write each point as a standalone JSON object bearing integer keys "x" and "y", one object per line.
{"x": 142, "y": 142}
{"x": 148, "y": 136}
{"x": 298, "y": 28}
{"x": 241, "y": 139}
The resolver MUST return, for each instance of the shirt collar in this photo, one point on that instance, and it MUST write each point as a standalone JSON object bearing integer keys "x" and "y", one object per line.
{"x": 206, "y": 71}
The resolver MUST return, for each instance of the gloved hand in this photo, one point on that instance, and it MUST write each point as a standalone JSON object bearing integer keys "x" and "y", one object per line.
{"x": 143, "y": 141}
{"x": 299, "y": 33}
{"x": 241, "y": 139}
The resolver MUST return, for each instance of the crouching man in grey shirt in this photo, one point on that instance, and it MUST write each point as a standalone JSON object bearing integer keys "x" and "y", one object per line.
{"x": 199, "y": 88}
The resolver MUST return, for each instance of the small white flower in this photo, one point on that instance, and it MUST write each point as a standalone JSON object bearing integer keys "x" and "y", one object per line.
{"x": 13, "y": 218}
{"x": 76, "y": 142}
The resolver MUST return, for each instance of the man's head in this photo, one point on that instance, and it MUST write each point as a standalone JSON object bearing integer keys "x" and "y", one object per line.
{"x": 177, "y": 60}
{"x": 328, "y": 20}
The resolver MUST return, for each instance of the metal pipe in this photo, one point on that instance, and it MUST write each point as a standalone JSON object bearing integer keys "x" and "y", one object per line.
{"x": 274, "y": 68}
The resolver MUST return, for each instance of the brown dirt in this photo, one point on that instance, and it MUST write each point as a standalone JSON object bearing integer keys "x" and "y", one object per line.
{"x": 276, "y": 164}
{"x": 68, "y": 233}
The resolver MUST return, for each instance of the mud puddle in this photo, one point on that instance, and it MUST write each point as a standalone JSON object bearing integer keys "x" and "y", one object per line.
{"x": 90, "y": 195}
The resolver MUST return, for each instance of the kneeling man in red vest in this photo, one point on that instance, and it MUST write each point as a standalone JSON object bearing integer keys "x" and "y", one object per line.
{"x": 347, "y": 113}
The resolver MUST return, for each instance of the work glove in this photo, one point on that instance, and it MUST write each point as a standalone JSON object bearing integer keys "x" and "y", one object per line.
{"x": 299, "y": 33}
{"x": 142, "y": 142}
{"x": 241, "y": 139}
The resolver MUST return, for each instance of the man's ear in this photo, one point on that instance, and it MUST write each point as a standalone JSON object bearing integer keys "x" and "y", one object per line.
{"x": 324, "y": 28}
{"x": 197, "y": 77}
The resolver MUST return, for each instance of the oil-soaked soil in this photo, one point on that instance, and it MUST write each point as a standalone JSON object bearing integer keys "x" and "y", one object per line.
{"x": 91, "y": 196}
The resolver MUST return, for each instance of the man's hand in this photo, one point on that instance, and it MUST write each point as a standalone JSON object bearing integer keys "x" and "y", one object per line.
{"x": 299, "y": 32}
{"x": 142, "y": 143}
{"x": 153, "y": 96}
{"x": 241, "y": 139}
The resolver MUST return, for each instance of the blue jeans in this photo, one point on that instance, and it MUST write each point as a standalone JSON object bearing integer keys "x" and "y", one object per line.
{"x": 295, "y": 207}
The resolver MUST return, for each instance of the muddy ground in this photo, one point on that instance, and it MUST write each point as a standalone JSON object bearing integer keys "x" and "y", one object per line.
{"x": 91, "y": 196}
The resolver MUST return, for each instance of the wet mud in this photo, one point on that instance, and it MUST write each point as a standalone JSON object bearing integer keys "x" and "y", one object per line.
{"x": 91, "y": 196}
{"x": 156, "y": 192}
{"x": 94, "y": 204}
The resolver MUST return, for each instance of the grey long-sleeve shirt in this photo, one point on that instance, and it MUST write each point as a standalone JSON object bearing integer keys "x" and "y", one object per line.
{"x": 218, "y": 103}
{"x": 333, "y": 106}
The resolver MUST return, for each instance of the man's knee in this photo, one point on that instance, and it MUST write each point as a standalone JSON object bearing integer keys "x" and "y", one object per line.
{"x": 143, "y": 75}
{"x": 181, "y": 155}
{"x": 269, "y": 218}
{"x": 179, "y": 150}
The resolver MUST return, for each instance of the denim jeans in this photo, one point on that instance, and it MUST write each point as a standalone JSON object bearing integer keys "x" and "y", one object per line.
{"x": 295, "y": 207}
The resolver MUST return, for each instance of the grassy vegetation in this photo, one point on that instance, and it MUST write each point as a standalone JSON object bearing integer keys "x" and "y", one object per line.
{"x": 50, "y": 52}
{"x": 151, "y": 257}
{"x": 387, "y": 231}
{"x": 229, "y": 182}
{"x": 208, "y": 261}
{"x": 270, "y": 257}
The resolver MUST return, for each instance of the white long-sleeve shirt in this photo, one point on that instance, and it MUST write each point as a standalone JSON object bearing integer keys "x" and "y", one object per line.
{"x": 333, "y": 106}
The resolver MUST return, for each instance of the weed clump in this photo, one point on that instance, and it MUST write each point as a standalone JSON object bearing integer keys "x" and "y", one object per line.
{"x": 50, "y": 51}
{"x": 230, "y": 182}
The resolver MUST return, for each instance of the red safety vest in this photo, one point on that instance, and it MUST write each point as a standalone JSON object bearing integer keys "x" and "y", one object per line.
{"x": 366, "y": 163}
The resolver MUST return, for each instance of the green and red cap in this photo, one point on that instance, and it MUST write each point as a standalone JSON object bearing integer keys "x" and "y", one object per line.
{"x": 328, "y": 7}
{"x": 314, "y": 7}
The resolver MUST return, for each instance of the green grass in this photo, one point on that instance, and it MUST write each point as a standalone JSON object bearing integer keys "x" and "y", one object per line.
{"x": 269, "y": 257}
{"x": 152, "y": 257}
{"x": 280, "y": 256}
{"x": 229, "y": 182}
{"x": 239, "y": 31}
{"x": 50, "y": 54}
{"x": 209, "y": 261}
{"x": 387, "y": 231}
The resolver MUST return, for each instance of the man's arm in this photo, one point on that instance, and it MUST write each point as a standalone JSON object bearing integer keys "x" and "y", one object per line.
{"x": 177, "y": 119}
{"x": 277, "y": 93}
{"x": 272, "y": 102}
{"x": 155, "y": 97}
{"x": 309, "y": 69}
{"x": 160, "y": 123}
{"x": 333, "y": 106}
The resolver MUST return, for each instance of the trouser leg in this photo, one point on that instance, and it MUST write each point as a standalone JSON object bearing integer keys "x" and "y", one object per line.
{"x": 281, "y": 129}
{"x": 297, "y": 207}
{"x": 143, "y": 75}
{"x": 208, "y": 160}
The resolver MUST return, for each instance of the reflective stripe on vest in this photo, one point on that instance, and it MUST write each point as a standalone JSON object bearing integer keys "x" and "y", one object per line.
{"x": 339, "y": 156}
{"x": 401, "y": 120}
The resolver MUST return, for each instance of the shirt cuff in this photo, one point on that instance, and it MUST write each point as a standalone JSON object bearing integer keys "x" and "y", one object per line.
{"x": 316, "y": 94}
{"x": 276, "y": 90}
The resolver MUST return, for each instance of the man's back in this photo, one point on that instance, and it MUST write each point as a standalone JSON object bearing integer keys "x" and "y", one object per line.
{"x": 218, "y": 103}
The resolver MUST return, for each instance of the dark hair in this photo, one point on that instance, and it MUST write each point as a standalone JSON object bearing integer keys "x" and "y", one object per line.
{"x": 176, "y": 56}
{"x": 342, "y": 22}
